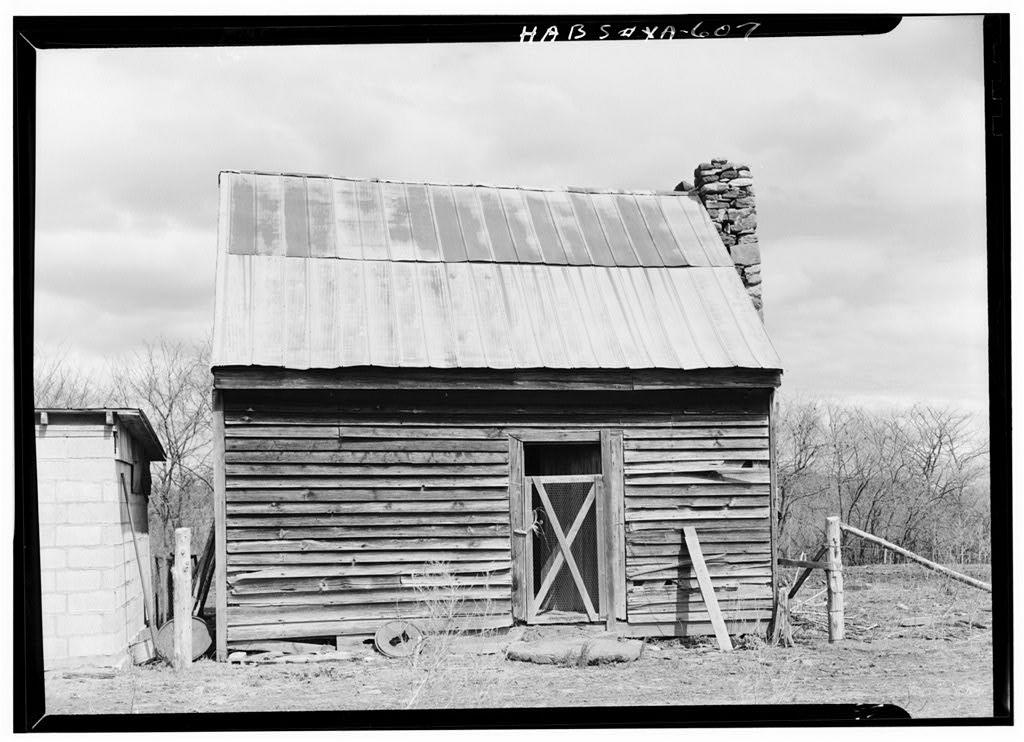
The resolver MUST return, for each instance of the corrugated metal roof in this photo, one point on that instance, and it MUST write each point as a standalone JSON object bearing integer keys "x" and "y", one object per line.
{"x": 316, "y": 313}
{"x": 317, "y": 272}
{"x": 307, "y": 216}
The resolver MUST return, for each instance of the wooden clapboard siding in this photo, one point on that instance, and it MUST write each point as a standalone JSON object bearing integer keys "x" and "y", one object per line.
{"x": 338, "y": 505}
{"x": 716, "y": 479}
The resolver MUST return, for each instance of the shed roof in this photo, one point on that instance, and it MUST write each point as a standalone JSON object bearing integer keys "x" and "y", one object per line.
{"x": 317, "y": 272}
{"x": 133, "y": 419}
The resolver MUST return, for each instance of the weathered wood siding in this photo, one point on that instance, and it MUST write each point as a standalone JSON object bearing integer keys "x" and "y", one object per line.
{"x": 711, "y": 473}
{"x": 337, "y": 504}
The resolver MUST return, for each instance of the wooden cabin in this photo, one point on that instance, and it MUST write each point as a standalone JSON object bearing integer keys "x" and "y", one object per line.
{"x": 519, "y": 395}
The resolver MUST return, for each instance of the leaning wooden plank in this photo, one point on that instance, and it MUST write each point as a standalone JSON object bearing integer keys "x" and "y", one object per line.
{"x": 693, "y": 545}
{"x": 919, "y": 559}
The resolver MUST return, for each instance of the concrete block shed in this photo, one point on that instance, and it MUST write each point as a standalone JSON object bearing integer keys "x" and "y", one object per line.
{"x": 537, "y": 388}
{"x": 92, "y": 594}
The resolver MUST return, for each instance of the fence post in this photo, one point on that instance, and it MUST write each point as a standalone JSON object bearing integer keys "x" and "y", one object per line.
{"x": 182, "y": 598}
{"x": 834, "y": 579}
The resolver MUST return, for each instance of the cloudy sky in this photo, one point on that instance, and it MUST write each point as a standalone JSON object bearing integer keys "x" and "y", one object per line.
{"x": 867, "y": 155}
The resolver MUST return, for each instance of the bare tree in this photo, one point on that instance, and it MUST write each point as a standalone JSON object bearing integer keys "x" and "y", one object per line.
{"x": 800, "y": 449}
{"x": 170, "y": 381}
{"x": 57, "y": 382}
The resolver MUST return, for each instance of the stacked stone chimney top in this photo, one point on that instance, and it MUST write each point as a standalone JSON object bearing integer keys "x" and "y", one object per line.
{"x": 726, "y": 190}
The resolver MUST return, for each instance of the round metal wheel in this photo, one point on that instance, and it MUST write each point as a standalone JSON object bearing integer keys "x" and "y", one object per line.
{"x": 398, "y": 639}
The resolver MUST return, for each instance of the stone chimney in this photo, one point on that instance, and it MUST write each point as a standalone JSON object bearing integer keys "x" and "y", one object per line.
{"x": 727, "y": 192}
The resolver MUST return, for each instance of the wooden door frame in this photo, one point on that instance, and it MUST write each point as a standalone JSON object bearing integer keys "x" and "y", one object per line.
{"x": 610, "y": 514}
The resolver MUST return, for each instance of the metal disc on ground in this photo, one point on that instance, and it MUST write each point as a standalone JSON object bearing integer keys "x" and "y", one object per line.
{"x": 398, "y": 638}
{"x": 201, "y": 639}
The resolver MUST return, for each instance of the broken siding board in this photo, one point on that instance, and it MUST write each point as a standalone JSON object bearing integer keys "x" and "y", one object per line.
{"x": 356, "y": 627}
{"x": 366, "y": 457}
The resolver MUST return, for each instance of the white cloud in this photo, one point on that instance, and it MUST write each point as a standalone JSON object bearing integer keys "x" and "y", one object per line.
{"x": 867, "y": 155}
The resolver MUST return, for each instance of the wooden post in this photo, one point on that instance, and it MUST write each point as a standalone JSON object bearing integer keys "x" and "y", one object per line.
{"x": 834, "y": 575}
{"x": 220, "y": 580}
{"x": 162, "y": 613}
{"x": 781, "y": 633}
{"x": 182, "y": 598}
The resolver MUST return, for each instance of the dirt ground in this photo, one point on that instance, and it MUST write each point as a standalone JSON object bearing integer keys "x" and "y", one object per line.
{"x": 915, "y": 639}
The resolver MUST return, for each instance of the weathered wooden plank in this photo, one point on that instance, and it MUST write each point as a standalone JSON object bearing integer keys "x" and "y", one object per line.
{"x": 723, "y": 475}
{"x": 637, "y": 460}
{"x": 522, "y": 573}
{"x": 347, "y": 469}
{"x": 366, "y": 508}
{"x": 653, "y": 569}
{"x": 268, "y": 378}
{"x": 237, "y": 482}
{"x": 369, "y": 597}
{"x": 665, "y": 501}
{"x": 362, "y": 570}
{"x": 219, "y": 526}
{"x": 357, "y": 627}
{"x": 614, "y": 490}
{"x": 387, "y": 445}
{"x": 365, "y": 544}
{"x": 312, "y": 587}
{"x": 380, "y": 519}
{"x": 697, "y": 490}
{"x": 365, "y": 457}
{"x": 363, "y": 495}
{"x": 670, "y": 439}
{"x": 670, "y": 532}
{"x": 313, "y": 528}
{"x": 683, "y": 513}
{"x": 392, "y": 555}
{"x": 248, "y": 615}
{"x": 751, "y": 553}
{"x": 726, "y": 624}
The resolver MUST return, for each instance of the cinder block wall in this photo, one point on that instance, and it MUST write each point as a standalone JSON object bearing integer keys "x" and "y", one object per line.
{"x": 91, "y": 593}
